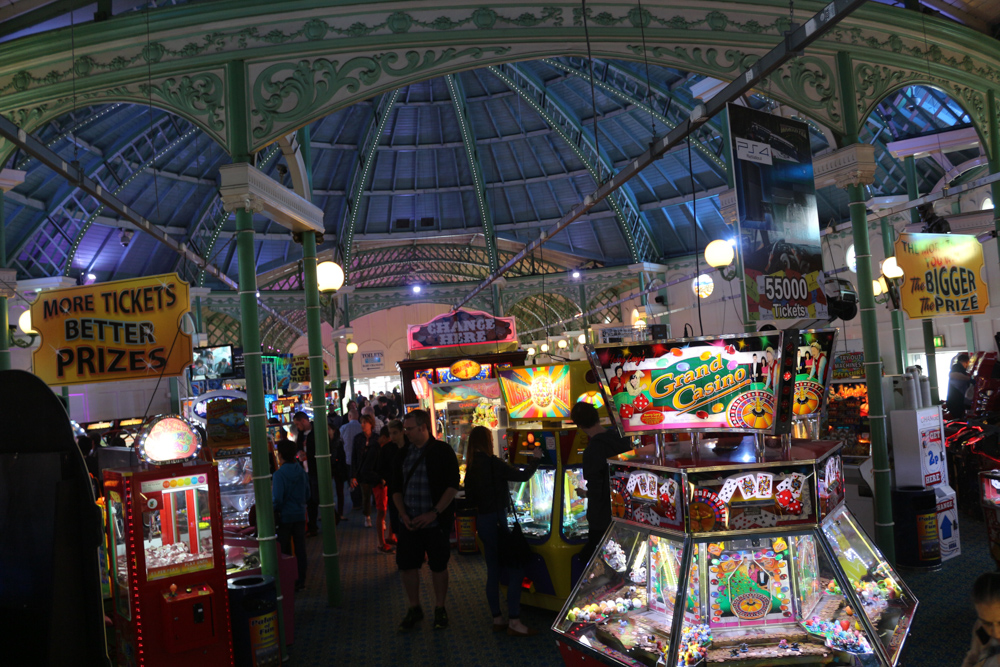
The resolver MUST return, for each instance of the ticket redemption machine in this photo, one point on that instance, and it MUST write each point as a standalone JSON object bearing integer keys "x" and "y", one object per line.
{"x": 736, "y": 548}
{"x": 552, "y": 514}
{"x": 165, "y": 532}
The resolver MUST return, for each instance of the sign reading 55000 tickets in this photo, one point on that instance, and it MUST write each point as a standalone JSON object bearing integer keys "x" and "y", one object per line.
{"x": 122, "y": 330}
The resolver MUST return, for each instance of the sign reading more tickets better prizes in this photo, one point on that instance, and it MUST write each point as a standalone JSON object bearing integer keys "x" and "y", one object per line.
{"x": 942, "y": 275}
{"x": 122, "y": 330}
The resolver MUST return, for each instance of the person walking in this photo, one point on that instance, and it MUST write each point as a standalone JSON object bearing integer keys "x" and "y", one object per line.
{"x": 424, "y": 482}
{"x": 958, "y": 383}
{"x": 306, "y": 442}
{"x": 603, "y": 444}
{"x": 487, "y": 489}
{"x": 339, "y": 469}
{"x": 399, "y": 441}
{"x": 348, "y": 432}
{"x": 290, "y": 493}
{"x": 364, "y": 465}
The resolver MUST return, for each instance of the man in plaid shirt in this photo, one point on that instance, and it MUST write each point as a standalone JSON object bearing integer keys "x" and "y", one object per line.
{"x": 424, "y": 482}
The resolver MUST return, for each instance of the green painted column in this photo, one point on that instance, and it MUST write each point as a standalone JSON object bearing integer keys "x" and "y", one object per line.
{"x": 994, "y": 155}
{"x": 927, "y": 325}
{"x": 4, "y": 315}
{"x": 898, "y": 328}
{"x": 350, "y": 357}
{"x": 239, "y": 134}
{"x": 65, "y": 400}
{"x": 175, "y": 396}
{"x": 970, "y": 335}
{"x": 327, "y": 506}
{"x": 869, "y": 324}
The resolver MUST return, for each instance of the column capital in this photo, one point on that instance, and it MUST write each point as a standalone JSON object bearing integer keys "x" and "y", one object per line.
{"x": 850, "y": 165}
{"x": 243, "y": 201}
{"x": 11, "y": 178}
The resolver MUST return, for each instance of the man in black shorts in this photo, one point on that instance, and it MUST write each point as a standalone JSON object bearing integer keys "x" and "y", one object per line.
{"x": 423, "y": 485}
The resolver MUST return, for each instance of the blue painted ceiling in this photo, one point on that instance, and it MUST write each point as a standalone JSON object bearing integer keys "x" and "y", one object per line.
{"x": 421, "y": 187}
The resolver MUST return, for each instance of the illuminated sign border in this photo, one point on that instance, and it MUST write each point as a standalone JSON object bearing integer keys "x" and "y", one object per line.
{"x": 592, "y": 355}
{"x": 140, "y": 443}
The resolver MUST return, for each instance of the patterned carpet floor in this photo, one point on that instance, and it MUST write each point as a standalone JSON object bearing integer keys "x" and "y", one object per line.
{"x": 363, "y": 630}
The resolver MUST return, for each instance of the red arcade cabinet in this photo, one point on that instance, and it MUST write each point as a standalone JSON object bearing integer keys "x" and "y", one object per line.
{"x": 165, "y": 533}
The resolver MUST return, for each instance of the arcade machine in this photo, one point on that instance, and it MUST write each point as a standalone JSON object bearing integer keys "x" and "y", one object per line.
{"x": 551, "y": 511}
{"x": 457, "y": 407}
{"x": 733, "y": 549}
{"x": 169, "y": 584}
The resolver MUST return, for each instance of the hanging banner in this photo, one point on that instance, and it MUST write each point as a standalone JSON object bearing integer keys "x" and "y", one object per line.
{"x": 778, "y": 222}
{"x": 122, "y": 330}
{"x": 943, "y": 274}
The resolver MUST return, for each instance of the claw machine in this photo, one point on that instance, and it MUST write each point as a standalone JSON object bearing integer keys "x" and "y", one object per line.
{"x": 459, "y": 406}
{"x": 550, "y": 506}
{"x": 735, "y": 548}
{"x": 169, "y": 568}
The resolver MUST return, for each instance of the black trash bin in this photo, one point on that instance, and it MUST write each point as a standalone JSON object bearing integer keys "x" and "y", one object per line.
{"x": 915, "y": 515}
{"x": 253, "y": 606}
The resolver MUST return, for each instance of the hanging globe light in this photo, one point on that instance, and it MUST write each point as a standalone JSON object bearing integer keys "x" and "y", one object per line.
{"x": 719, "y": 254}
{"x": 329, "y": 276}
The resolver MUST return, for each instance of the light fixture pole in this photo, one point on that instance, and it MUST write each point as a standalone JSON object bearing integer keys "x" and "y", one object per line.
{"x": 327, "y": 277}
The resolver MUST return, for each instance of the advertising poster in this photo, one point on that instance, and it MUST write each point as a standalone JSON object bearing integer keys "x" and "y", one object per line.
{"x": 943, "y": 274}
{"x": 226, "y": 423}
{"x": 778, "y": 218}
{"x": 537, "y": 392}
{"x": 697, "y": 384}
{"x": 849, "y": 365}
{"x": 299, "y": 369}
{"x": 121, "y": 330}
{"x": 812, "y": 371}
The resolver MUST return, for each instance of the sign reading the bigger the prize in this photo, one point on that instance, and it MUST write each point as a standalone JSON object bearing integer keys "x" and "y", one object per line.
{"x": 122, "y": 330}
{"x": 778, "y": 218}
{"x": 942, "y": 275}
{"x": 698, "y": 384}
{"x": 462, "y": 327}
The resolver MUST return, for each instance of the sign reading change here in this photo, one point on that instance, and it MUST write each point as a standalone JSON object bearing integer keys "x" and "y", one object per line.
{"x": 942, "y": 275}
{"x": 122, "y": 330}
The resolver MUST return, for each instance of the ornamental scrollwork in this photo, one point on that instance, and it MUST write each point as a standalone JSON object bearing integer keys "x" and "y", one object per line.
{"x": 809, "y": 83}
{"x": 196, "y": 95}
{"x": 308, "y": 87}
{"x": 703, "y": 61}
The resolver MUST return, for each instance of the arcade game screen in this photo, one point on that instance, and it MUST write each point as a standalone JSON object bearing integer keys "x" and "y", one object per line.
{"x": 812, "y": 371}
{"x": 537, "y": 392}
{"x": 574, "y": 510}
{"x": 533, "y": 504}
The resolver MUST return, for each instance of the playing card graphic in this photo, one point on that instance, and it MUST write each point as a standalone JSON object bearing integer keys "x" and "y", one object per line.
{"x": 764, "y": 481}
{"x": 728, "y": 489}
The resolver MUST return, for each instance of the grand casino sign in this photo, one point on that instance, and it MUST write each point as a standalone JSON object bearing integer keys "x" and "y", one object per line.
{"x": 461, "y": 331}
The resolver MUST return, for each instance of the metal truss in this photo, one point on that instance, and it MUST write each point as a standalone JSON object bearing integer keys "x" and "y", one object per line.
{"x": 381, "y": 113}
{"x": 475, "y": 166}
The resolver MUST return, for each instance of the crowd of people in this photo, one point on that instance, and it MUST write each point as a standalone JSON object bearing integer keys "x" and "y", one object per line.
{"x": 395, "y": 469}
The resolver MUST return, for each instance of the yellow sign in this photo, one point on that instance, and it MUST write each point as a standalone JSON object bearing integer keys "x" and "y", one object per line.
{"x": 942, "y": 275}
{"x": 299, "y": 370}
{"x": 465, "y": 369}
{"x": 122, "y": 330}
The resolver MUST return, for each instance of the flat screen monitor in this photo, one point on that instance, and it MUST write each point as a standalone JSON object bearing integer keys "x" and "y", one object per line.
{"x": 721, "y": 383}
{"x": 537, "y": 392}
{"x": 210, "y": 363}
